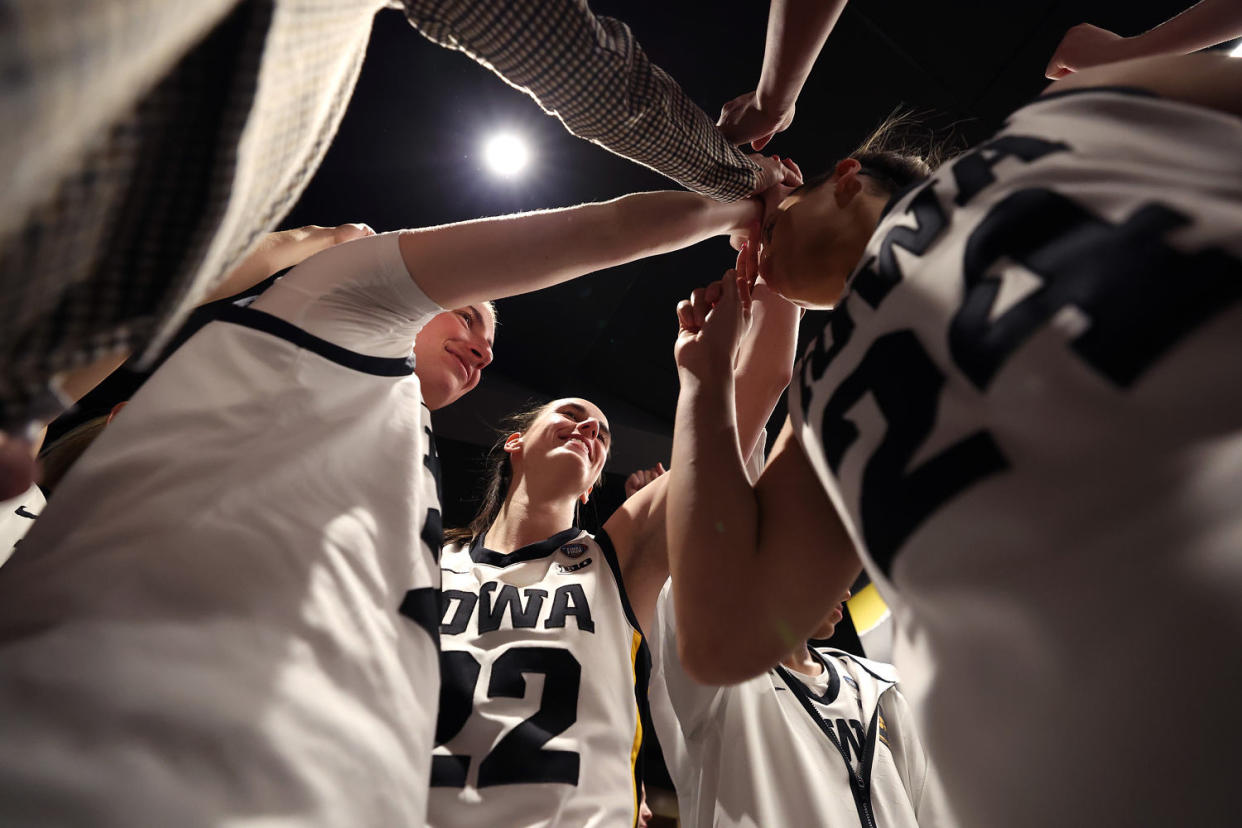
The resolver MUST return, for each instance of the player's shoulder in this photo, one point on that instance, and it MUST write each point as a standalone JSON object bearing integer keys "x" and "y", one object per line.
{"x": 879, "y": 671}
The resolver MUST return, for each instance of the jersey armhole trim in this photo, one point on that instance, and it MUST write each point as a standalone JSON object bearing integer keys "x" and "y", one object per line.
{"x": 279, "y": 328}
{"x": 610, "y": 555}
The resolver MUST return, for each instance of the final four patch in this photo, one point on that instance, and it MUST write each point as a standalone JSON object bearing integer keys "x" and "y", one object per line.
{"x": 574, "y": 550}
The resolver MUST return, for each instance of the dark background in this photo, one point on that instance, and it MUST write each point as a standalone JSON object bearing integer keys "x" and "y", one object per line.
{"x": 408, "y": 154}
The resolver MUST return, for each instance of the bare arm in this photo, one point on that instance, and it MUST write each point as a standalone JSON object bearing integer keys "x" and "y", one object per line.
{"x": 754, "y": 568}
{"x": 797, "y": 30}
{"x": 1203, "y": 25}
{"x": 764, "y": 365}
{"x": 458, "y": 264}
{"x": 638, "y": 528}
{"x": 1209, "y": 80}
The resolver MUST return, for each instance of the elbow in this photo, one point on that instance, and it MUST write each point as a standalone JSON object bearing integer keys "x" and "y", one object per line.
{"x": 714, "y": 660}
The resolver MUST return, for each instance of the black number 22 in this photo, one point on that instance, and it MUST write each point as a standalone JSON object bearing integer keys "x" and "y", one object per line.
{"x": 519, "y": 757}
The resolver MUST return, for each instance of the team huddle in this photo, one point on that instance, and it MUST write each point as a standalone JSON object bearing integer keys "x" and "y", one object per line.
{"x": 1023, "y": 420}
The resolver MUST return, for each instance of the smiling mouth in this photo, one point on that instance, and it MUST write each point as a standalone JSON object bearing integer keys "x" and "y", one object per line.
{"x": 586, "y": 450}
{"x": 464, "y": 367}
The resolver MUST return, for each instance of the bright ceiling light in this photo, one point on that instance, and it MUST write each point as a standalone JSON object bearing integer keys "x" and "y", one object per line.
{"x": 1237, "y": 51}
{"x": 506, "y": 154}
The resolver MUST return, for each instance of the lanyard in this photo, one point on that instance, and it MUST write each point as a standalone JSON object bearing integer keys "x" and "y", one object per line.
{"x": 860, "y": 780}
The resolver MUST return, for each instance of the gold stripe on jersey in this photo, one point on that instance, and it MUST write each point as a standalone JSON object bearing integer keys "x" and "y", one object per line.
{"x": 636, "y": 643}
{"x": 867, "y": 609}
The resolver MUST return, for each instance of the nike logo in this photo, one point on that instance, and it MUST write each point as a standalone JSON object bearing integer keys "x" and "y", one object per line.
{"x": 21, "y": 512}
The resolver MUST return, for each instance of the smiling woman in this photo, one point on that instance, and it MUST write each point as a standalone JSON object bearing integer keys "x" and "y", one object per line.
{"x": 528, "y": 593}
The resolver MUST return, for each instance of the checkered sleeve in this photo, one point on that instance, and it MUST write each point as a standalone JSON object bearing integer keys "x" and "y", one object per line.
{"x": 590, "y": 73}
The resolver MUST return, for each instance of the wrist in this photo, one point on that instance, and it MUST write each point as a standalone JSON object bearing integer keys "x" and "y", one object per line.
{"x": 735, "y": 215}
{"x": 772, "y": 102}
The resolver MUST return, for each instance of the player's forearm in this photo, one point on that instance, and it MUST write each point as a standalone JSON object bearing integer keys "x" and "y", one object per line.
{"x": 712, "y": 519}
{"x": 618, "y": 99}
{"x": 797, "y": 30}
{"x": 1203, "y": 25}
{"x": 765, "y": 365}
{"x": 493, "y": 258}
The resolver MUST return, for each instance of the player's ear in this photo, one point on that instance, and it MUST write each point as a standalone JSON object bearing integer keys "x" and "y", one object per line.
{"x": 847, "y": 185}
{"x": 513, "y": 443}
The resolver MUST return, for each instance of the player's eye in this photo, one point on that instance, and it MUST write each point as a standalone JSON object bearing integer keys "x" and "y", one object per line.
{"x": 468, "y": 319}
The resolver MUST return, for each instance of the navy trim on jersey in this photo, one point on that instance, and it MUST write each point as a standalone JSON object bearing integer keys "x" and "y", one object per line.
{"x": 642, "y": 663}
{"x": 834, "y": 678}
{"x": 279, "y": 328}
{"x": 835, "y": 653}
{"x": 481, "y": 554}
{"x": 610, "y": 555}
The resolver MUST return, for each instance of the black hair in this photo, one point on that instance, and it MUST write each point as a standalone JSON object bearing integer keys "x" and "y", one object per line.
{"x": 498, "y": 474}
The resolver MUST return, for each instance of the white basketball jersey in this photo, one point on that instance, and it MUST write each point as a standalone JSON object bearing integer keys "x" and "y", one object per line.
{"x": 227, "y": 614}
{"x": 544, "y": 674}
{"x": 784, "y": 749}
{"x": 17, "y": 517}
{"x": 1029, "y": 407}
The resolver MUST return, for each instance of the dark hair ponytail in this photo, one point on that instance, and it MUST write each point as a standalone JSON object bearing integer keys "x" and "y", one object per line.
{"x": 497, "y": 473}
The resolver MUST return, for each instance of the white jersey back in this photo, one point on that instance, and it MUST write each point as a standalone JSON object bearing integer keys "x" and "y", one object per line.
{"x": 838, "y": 749}
{"x": 1029, "y": 406}
{"x": 227, "y": 613}
{"x": 544, "y": 672}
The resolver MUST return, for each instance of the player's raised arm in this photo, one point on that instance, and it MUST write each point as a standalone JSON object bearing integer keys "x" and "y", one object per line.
{"x": 797, "y": 30}
{"x": 1211, "y": 80}
{"x": 763, "y": 368}
{"x": 1202, "y": 26}
{"x": 458, "y": 264}
{"x": 754, "y": 568}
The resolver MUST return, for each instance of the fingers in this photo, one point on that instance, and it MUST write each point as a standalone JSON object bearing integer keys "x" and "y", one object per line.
{"x": 791, "y": 176}
{"x": 349, "y": 232}
{"x": 793, "y": 165}
{"x": 685, "y": 317}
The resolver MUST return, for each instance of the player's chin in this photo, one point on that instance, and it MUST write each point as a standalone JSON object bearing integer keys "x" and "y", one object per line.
{"x": 443, "y": 391}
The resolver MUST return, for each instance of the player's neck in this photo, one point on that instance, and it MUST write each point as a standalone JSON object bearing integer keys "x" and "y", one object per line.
{"x": 524, "y": 520}
{"x": 800, "y": 660}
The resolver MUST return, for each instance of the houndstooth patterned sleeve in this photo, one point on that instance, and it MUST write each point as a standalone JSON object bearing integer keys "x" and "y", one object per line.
{"x": 590, "y": 73}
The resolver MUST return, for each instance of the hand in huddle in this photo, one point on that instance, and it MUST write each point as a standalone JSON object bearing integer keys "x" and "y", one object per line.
{"x": 1085, "y": 46}
{"x": 744, "y": 119}
{"x": 641, "y": 478}
{"x": 714, "y": 320}
{"x": 769, "y": 199}
{"x": 772, "y": 172}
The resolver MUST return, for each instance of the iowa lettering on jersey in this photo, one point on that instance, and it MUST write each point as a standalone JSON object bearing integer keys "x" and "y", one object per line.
{"x": 1116, "y": 275}
{"x": 497, "y": 603}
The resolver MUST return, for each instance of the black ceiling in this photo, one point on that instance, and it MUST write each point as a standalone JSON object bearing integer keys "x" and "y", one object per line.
{"x": 407, "y": 155}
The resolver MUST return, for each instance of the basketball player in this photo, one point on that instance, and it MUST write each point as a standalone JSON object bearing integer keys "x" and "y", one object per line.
{"x": 823, "y": 738}
{"x": 1026, "y": 410}
{"x": 229, "y": 610}
{"x": 544, "y": 662}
